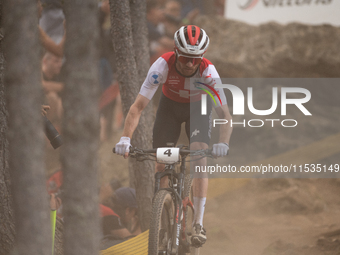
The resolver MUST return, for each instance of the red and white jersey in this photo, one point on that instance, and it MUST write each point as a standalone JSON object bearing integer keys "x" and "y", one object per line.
{"x": 175, "y": 86}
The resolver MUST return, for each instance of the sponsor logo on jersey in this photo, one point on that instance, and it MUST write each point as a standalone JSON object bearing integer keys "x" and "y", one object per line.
{"x": 155, "y": 78}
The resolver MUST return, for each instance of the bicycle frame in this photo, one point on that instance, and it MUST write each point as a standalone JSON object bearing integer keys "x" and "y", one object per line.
{"x": 180, "y": 204}
{"x": 176, "y": 189}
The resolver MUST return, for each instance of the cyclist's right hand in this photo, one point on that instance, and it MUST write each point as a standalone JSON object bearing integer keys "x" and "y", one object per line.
{"x": 123, "y": 147}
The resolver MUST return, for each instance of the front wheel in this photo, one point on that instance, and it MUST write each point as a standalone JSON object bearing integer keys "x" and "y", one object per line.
{"x": 189, "y": 213}
{"x": 161, "y": 224}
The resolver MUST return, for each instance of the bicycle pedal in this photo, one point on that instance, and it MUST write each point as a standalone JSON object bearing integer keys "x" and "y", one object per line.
{"x": 196, "y": 243}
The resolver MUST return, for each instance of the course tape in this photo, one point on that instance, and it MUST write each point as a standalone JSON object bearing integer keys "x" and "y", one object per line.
{"x": 134, "y": 246}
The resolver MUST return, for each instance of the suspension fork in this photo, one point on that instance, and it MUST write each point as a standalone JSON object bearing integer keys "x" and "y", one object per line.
{"x": 179, "y": 207}
{"x": 159, "y": 175}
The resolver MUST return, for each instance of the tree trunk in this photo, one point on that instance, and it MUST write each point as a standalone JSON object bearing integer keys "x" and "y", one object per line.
{"x": 25, "y": 128}
{"x": 140, "y": 38}
{"x": 143, "y": 134}
{"x": 129, "y": 84}
{"x": 6, "y": 211}
{"x": 81, "y": 130}
{"x": 127, "y": 75}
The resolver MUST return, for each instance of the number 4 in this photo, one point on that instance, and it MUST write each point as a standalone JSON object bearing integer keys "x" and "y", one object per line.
{"x": 168, "y": 152}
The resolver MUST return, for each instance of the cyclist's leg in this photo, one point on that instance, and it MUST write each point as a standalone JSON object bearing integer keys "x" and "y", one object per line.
{"x": 198, "y": 129}
{"x": 200, "y": 183}
{"x": 166, "y": 129}
{"x": 200, "y": 190}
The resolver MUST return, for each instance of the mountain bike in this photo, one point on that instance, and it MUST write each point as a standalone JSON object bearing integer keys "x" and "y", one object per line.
{"x": 172, "y": 207}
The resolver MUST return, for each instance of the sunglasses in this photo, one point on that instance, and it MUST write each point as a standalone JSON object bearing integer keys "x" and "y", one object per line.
{"x": 184, "y": 59}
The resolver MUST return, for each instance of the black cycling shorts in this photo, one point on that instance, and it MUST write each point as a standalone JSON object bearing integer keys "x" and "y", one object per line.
{"x": 170, "y": 115}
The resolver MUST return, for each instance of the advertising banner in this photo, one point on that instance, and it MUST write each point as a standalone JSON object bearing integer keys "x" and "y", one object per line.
{"x": 313, "y": 12}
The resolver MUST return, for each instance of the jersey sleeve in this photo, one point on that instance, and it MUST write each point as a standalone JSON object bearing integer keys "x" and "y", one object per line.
{"x": 212, "y": 72}
{"x": 157, "y": 75}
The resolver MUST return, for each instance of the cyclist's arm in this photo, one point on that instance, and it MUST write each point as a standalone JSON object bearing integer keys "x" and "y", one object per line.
{"x": 226, "y": 129}
{"x": 134, "y": 114}
{"x": 155, "y": 77}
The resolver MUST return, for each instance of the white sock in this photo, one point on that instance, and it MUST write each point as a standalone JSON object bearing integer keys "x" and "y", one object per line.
{"x": 199, "y": 205}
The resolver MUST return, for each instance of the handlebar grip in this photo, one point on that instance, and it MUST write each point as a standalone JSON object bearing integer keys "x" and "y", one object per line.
{"x": 114, "y": 150}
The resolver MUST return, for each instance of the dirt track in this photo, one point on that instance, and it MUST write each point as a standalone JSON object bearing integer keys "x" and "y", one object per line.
{"x": 276, "y": 217}
{"x": 264, "y": 216}
{"x": 260, "y": 216}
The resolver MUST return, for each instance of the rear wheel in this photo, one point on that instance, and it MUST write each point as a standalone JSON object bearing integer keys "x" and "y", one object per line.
{"x": 162, "y": 224}
{"x": 189, "y": 214}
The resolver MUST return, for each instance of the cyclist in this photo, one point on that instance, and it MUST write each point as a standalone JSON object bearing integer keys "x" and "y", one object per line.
{"x": 181, "y": 103}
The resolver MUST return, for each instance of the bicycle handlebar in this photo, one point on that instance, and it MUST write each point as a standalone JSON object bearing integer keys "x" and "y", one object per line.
{"x": 183, "y": 152}
{"x": 132, "y": 150}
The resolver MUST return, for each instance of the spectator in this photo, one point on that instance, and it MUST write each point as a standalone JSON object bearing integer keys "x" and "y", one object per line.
{"x": 106, "y": 48}
{"x": 109, "y": 105}
{"x": 54, "y": 189}
{"x": 47, "y": 42}
{"x": 127, "y": 209}
{"x": 173, "y": 8}
{"x": 124, "y": 224}
{"x": 159, "y": 42}
{"x": 106, "y": 192}
{"x": 51, "y": 66}
{"x": 52, "y": 18}
{"x": 219, "y": 7}
{"x": 44, "y": 109}
{"x": 112, "y": 226}
{"x": 172, "y": 20}
{"x": 52, "y": 86}
{"x": 190, "y": 5}
{"x": 50, "y": 45}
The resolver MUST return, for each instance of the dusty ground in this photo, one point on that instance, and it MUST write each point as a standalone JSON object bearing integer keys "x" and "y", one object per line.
{"x": 276, "y": 217}
{"x": 264, "y": 216}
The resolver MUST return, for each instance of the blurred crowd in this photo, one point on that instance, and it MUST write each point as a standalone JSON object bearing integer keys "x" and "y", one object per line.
{"x": 164, "y": 17}
{"x": 118, "y": 206}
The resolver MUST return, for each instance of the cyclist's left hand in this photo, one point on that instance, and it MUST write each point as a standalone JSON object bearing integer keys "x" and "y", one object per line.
{"x": 220, "y": 149}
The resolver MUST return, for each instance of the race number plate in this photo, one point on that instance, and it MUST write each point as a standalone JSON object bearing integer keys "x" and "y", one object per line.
{"x": 167, "y": 155}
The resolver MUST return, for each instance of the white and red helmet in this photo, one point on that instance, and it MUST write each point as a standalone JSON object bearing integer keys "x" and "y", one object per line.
{"x": 191, "y": 40}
